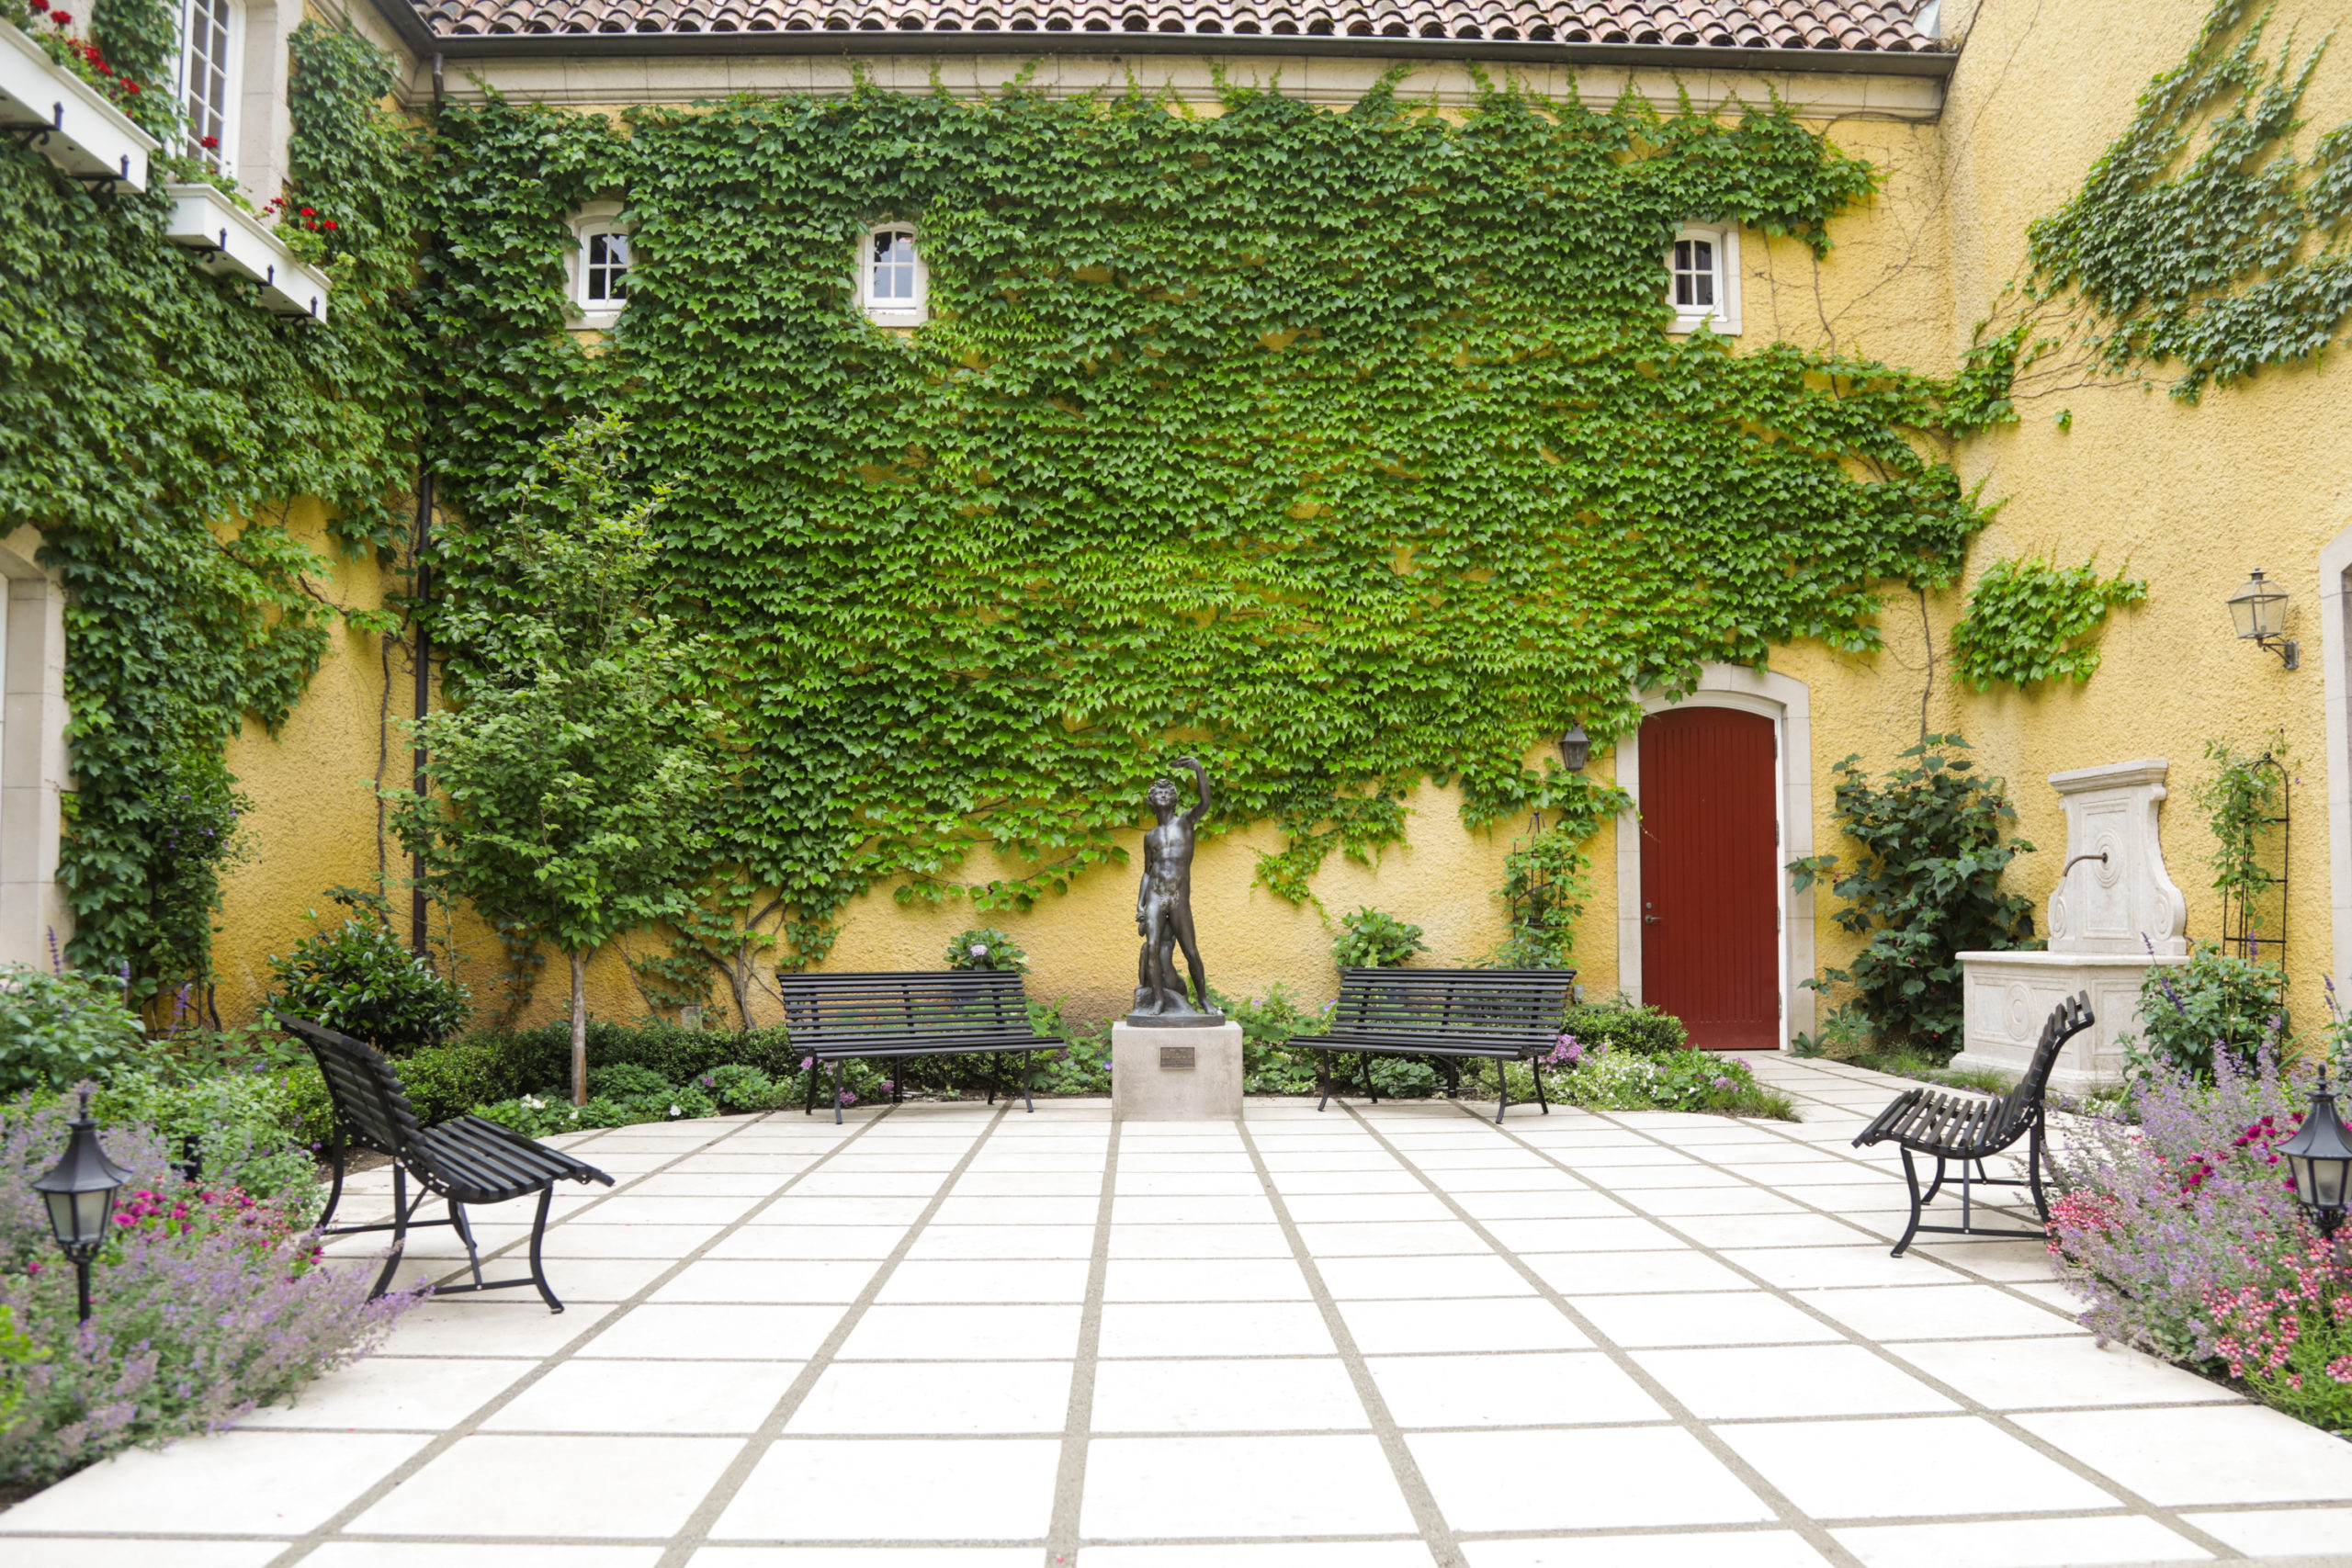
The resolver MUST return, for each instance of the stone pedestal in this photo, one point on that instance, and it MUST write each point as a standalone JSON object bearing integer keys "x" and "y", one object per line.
{"x": 2114, "y": 915}
{"x": 1175, "y": 1074}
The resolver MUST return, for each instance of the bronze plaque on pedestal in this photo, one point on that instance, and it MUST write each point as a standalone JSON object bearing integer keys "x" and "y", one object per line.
{"x": 1176, "y": 1058}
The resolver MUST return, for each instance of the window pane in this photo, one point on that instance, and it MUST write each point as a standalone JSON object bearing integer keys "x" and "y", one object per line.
{"x": 893, "y": 279}
{"x": 206, "y": 87}
{"x": 607, "y": 269}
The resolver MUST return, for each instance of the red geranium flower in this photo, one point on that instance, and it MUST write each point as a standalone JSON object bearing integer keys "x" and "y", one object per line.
{"x": 328, "y": 224}
{"x": 309, "y": 212}
{"x": 61, "y": 18}
{"x": 211, "y": 144}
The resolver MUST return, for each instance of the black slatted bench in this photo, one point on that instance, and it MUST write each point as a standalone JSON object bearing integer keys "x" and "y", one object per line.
{"x": 1445, "y": 1015}
{"x": 1969, "y": 1128}
{"x": 463, "y": 1160}
{"x": 949, "y": 1012}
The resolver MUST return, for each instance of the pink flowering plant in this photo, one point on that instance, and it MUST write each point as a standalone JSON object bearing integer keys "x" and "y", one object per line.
{"x": 207, "y": 1301}
{"x": 2181, "y": 1232}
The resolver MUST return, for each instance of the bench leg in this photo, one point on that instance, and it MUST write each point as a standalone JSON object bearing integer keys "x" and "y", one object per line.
{"x": 1937, "y": 1185}
{"x": 2034, "y": 1173}
{"x": 538, "y": 1236}
{"x": 1502, "y": 1092}
{"x": 1911, "y": 1179}
{"x": 1535, "y": 1071}
{"x": 465, "y": 1234}
{"x": 1323, "y": 1079}
{"x": 815, "y": 1074}
{"x": 335, "y": 1193}
{"x": 403, "y": 1210}
{"x": 841, "y": 1066}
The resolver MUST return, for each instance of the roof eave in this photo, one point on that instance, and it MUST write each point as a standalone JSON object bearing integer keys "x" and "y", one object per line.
{"x": 414, "y": 33}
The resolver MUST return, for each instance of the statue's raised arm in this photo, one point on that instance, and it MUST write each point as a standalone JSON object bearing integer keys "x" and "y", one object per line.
{"x": 1201, "y": 778}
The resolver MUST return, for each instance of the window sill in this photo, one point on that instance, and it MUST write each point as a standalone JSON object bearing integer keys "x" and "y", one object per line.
{"x": 1684, "y": 326}
{"x": 229, "y": 242}
{"x": 897, "y": 318}
{"x": 595, "y": 320}
{"x": 78, "y": 130}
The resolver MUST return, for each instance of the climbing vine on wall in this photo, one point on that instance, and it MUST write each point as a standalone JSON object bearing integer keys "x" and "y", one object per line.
{"x": 2031, "y": 620}
{"x": 1346, "y": 450}
{"x": 2203, "y": 243}
{"x": 155, "y": 425}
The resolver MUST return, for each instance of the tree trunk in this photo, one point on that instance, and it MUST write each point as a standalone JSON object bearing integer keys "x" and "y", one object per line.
{"x": 580, "y": 1029}
{"x": 738, "y": 981}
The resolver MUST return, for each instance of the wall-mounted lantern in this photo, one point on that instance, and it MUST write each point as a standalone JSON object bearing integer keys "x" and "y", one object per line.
{"x": 2259, "y": 612}
{"x": 1575, "y": 749}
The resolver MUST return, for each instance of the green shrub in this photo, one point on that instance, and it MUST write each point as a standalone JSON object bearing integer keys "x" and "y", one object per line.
{"x": 985, "y": 947}
{"x": 1620, "y": 1025}
{"x": 17, "y": 1352}
{"x": 1843, "y": 1035}
{"x": 450, "y": 1081}
{"x": 1925, "y": 888}
{"x": 1694, "y": 1081}
{"x": 246, "y": 1130}
{"x": 1268, "y": 1064}
{"x": 63, "y": 1029}
{"x": 361, "y": 979}
{"x": 1370, "y": 939}
{"x": 738, "y": 1087}
{"x": 2213, "y": 1003}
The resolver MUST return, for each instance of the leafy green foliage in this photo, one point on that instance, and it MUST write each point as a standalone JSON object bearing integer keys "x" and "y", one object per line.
{"x": 1844, "y": 1034}
{"x": 361, "y": 979}
{"x": 2215, "y": 1005}
{"x": 1371, "y": 939}
{"x": 2243, "y": 802}
{"x": 1270, "y": 434}
{"x": 985, "y": 947}
{"x": 1688, "y": 1080}
{"x": 2217, "y": 259}
{"x": 1547, "y": 875}
{"x": 1268, "y": 1026}
{"x": 2031, "y": 619}
{"x": 153, "y": 425}
{"x": 245, "y": 1130}
{"x": 59, "y": 1030}
{"x": 564, "y": 794}
{"x": 1925, "y": 886}
{"x": 1620, "y": 1025}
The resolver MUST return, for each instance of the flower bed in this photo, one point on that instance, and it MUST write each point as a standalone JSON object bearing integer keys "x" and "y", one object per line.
{"x": 208, "y": 1301}
{"x": 2178, "y": 1224}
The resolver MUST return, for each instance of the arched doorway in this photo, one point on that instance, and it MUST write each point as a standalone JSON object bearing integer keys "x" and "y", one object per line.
{"x": 1710, "y": 870}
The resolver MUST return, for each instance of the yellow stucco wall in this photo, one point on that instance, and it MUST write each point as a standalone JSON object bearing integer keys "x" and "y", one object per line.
{"x": 2191, "y": 497}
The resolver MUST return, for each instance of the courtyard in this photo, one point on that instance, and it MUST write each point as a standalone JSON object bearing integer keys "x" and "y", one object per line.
{"x": 954, "y": 1336}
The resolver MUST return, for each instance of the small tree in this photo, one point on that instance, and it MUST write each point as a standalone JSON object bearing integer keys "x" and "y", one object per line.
{"x": 566, "y": 785}
{"x": 1925, "y": 887}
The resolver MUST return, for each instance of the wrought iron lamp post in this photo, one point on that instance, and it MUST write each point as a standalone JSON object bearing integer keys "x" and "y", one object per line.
{"x": 1575, "y": 749}
{"x": 2258, "y": 610}
{"x": 80, "y": 1190}
{"x": 2319, "y": 1156}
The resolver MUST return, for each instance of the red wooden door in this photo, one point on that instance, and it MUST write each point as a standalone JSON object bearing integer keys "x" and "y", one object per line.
{"x": 1711, "y": 918}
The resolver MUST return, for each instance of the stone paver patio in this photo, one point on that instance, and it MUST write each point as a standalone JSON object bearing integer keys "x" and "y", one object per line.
{"x": 951, "y": 1336}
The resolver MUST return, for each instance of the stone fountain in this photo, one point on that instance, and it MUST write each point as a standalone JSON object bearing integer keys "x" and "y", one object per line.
{"x": 2115, "y": 914}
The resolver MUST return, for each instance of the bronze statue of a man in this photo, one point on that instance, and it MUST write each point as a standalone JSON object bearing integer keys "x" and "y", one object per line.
{"x": 1164, "y": 910}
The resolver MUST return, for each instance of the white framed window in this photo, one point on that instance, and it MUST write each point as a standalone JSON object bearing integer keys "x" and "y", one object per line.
{"x": 601, "y": 259}
{"x": 212, "y": 39}
{"x": 1703, "y": 279}
{"x": 893, "y": 284}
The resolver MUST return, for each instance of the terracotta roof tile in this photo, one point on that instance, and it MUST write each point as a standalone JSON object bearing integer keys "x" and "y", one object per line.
{"x": 1844, "y": 25}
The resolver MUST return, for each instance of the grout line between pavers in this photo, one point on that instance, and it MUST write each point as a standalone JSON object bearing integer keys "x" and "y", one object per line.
{"x": 1437, "y": 1532}
{"x": 694, "y": 1533}
{"x": 310, "y": 1541}
{"x": 1077, "y": 1426}
{"x": 1790, "y": 1516}
{"x": 2128, "y": 1498}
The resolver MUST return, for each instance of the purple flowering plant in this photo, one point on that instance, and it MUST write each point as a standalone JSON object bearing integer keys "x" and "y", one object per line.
{"x": 206, "y": 1303}
{"x": 2176, "y": 1201}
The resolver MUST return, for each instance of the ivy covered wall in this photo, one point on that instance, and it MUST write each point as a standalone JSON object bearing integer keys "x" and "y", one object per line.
{"x": 1347, "y": 450}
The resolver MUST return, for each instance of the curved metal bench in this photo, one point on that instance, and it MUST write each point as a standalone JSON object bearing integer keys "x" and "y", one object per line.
{"x": 945, "y": 1012}
{"x": 463, "y": 1160}
{"x": 1969, "y": 1128}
